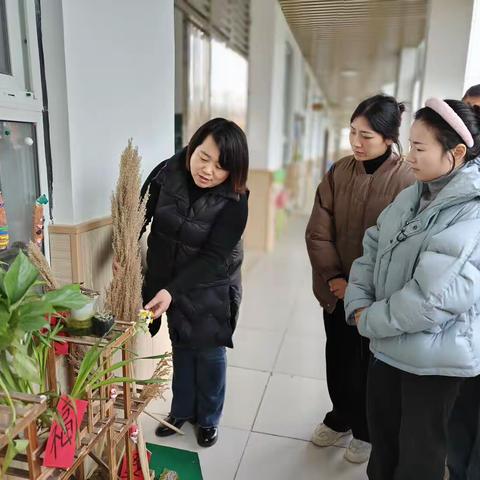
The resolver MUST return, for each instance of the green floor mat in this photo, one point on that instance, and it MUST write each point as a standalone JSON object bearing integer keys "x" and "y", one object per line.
{"x": 185, "y": 463}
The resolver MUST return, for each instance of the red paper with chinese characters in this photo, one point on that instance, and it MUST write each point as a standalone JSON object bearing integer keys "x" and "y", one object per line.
{"x": 61, "y": 443}
{"x": 137, "y": 467}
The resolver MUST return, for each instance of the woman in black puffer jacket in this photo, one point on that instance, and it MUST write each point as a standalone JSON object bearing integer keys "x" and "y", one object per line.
{"x": 199, "y": 206}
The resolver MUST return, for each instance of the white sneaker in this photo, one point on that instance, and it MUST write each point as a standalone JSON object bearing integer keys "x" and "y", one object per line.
{"x": 358, "y": 451}
{"x": 324, "y": 436}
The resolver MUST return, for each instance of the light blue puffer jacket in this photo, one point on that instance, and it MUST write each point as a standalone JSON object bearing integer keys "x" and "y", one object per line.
{"x": 419, "y": 278}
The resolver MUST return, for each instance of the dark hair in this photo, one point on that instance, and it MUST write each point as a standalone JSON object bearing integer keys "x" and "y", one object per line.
{"x": 446, "y": 135}
{"x": 473, "y": 91}
{"x": 232, "y": 143}
{"x": 384, "y": 114}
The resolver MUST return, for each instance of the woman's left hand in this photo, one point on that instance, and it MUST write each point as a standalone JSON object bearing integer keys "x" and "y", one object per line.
{"x": 159, "y": 304}
{"x": 358, "y": 314}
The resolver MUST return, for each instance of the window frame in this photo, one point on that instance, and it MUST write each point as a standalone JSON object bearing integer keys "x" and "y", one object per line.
{"x": 23, "y": 89}
{"x": 26, "y": 106}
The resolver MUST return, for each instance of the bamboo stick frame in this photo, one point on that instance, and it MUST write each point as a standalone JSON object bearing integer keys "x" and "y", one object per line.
{"x": 105, "y": 418}
{"x": 26, "y": 425}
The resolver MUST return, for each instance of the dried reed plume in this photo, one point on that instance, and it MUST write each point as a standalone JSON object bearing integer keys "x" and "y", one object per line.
{"x": 40, "y": 262}
{"x": 123, "y": 296}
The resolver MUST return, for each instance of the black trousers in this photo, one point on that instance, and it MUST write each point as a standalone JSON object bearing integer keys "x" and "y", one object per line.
{"x": 463, "y": 456}
{"x": 408, "y": 423}
{"x": 348, "y": 355}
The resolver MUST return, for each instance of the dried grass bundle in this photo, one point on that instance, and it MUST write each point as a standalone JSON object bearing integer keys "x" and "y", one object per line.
{"x": 123, "y": 296}
{"x": 38, "y": 259}
{"x": 162, "y": 372}
{"x": 40, "y": 262}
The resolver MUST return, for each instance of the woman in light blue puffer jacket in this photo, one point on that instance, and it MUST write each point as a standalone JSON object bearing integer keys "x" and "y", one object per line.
{"x": 415, "y": 293}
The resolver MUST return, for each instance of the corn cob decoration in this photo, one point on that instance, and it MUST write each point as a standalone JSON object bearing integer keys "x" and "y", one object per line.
{"x": 38, "y": 220}
{"x": 4, "y": 238}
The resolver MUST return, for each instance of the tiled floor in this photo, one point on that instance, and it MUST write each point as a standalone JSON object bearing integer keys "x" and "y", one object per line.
{"x": 276, "y": 391}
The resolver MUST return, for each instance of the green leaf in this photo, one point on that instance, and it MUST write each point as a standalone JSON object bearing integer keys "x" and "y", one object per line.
{"x": 116, "y": 366}
{"x": 87, "y": 367}
{"x": 23, "y": 364}
{"x": 9, "y": 379}
{"x": 101, "y": 373}
{"x": 43, "y": 341}
{"x": 2, "y": 278}
{"x": 19, "y": 279}
{"x": 5, "y": 330}
{"x": 6, "y": 337}
{"x": 21, "y": 445}
{"x": 9, "y": 400}
{"x": 115, "y": 380}
{"x": 14, "y": 448}
{"x": 59, "y": 419}
{"x": 26, "y": 369}
{"x": 163, "y": 356}
{"x": 32, "y": 315}
{"x": 68, "y": 297}
{"x": 11, "y": 383}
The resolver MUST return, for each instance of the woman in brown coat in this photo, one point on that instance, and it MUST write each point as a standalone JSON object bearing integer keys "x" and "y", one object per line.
{"x": 348, "y": 201}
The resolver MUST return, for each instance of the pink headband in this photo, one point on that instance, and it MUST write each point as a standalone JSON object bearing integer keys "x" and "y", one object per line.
{"x": 452, "y": 118}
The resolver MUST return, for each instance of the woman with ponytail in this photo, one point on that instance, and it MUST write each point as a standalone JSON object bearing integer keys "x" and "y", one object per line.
{"x": 348, "y": 201}
{"x": 414, "y": 294}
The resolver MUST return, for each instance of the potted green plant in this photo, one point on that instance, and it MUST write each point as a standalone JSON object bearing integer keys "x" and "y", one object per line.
{"x": 94, "y": 373}
{"x": 25, "y": 332}
{"x": 24, "y": 313}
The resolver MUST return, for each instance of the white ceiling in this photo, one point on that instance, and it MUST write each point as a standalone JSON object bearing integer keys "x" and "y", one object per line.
{"x": 354, "y": 46}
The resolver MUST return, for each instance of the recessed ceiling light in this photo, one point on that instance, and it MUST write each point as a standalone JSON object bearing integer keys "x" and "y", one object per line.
{"x": 349, "y": 72}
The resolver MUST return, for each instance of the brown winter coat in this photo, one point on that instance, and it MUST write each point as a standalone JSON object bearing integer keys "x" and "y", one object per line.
{"x": 348, "y": 201}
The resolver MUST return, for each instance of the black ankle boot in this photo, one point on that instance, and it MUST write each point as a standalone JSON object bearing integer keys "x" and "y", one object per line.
{"x": 164, "y": 431}
{"x": 206, "y": 437}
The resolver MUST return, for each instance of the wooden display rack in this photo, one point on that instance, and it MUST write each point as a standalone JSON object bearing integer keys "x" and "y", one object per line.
{"x": 106, "y": 418}
{"x": 28, "y": 409}
{"x": 115, "y": 415}
{"x": 88, "y": 442}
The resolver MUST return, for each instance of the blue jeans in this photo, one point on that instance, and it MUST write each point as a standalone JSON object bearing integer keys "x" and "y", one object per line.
{"x": 198, "y": 385}
{"x": 463, "y": 458}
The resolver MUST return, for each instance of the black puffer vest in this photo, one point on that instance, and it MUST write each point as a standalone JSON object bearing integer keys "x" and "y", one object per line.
{"x": 206, "y": 315}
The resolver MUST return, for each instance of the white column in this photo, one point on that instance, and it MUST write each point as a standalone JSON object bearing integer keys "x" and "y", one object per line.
{"x": 472, "y": 74}
{"x": 269, "y": 34}
{"x": 54, "y": 49}
{"x": 405, "y": 90}
{"x": 449, "y": 26}
{"x": 260, "y": 81}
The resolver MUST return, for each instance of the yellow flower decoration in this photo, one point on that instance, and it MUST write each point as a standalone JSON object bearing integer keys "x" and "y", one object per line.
{"x": 146, "y": 316}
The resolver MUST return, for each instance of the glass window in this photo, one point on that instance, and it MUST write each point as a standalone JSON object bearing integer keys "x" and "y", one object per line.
{"x": 19, "y": 180}
{"x": 198, "y": 102}
{"x": 228, "y": 84}
{"x": 5, "y": 66}
{"x": 14, "y": 51}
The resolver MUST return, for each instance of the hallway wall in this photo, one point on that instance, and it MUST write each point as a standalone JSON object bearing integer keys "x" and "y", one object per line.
{"x": 110, "y": 76}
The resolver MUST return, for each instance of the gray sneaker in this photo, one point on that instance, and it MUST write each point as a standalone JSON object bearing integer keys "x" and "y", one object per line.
{"x": 324, "y": 436}
{"x": 358, "y": 451}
